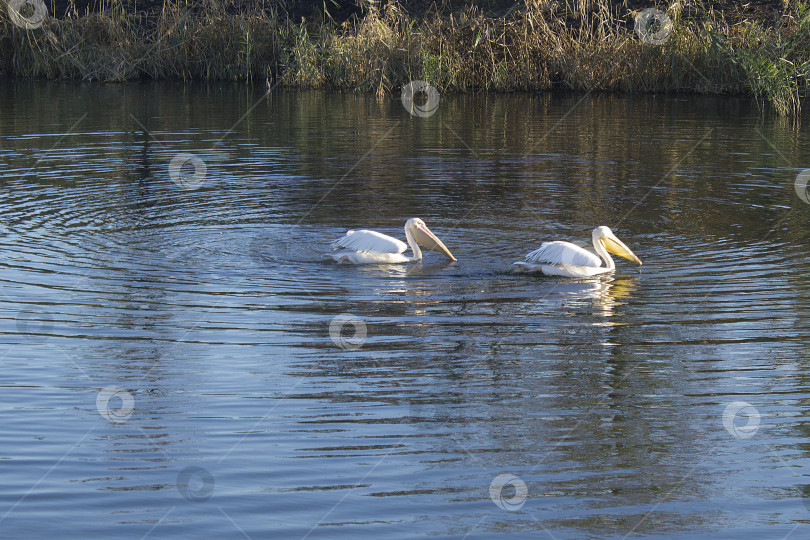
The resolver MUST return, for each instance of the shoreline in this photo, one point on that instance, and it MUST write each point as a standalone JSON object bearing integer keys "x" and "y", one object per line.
{"x": 534, "y": 46}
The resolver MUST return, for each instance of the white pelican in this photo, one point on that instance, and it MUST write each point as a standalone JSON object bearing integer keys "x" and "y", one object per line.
{"x": 371, "y": 247}
{"x": 569, "y": 260}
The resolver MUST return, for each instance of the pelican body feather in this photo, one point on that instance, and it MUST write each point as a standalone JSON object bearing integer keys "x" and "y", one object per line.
{"x": 570, "y": 260}
{"x": 371, "y": 247}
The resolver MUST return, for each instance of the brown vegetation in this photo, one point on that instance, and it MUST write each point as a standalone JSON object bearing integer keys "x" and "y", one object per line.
{"x": 533, "y": 46}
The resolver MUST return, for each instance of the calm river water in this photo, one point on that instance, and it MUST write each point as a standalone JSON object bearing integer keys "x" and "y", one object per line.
{"x": 168, "y": 368}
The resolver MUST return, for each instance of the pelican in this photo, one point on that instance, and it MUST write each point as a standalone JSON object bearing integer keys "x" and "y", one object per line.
{"x": 569, "y": 260}
{"x": 371, "y": 247}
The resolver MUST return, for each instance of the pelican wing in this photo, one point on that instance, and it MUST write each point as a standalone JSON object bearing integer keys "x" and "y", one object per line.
{"x": 563, "y": 253}
{"x": 370, "y": 241}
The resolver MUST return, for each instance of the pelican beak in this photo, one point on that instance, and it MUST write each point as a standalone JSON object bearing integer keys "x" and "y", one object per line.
{"x": 617, "y": 247}
{"x": 426, "y": 238}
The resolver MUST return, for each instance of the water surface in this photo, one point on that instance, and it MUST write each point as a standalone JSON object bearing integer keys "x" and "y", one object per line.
{"x": 167, "y": 363}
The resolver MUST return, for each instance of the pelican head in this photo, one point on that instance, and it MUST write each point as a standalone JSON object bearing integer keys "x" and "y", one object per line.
{"x": 604, "y": 236}
{"x": 417, "y": 229}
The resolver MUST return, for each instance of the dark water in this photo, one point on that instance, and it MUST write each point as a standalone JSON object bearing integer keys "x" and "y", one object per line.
{"x": 167, "y": 363}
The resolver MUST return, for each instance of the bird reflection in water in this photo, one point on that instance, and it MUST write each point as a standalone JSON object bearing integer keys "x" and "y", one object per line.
{"x": 603, "y": 294}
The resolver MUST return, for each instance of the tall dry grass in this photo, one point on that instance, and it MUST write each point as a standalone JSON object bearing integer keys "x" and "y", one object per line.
{"x": 539, "y": 45}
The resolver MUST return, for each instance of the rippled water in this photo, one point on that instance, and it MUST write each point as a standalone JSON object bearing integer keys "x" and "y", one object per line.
{"x": 168, "y": 368}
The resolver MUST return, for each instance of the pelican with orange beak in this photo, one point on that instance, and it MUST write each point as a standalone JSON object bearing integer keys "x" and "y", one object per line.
{"x": 570, "y": 260}
{"x": 371, "y": 247}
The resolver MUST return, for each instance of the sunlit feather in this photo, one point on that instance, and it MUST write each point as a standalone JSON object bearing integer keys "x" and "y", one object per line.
{"x": 570, "y": 260}
{"x": 371, "y": 247}
{"x": 365, "y": 240}
{"x": 563, "y": 253}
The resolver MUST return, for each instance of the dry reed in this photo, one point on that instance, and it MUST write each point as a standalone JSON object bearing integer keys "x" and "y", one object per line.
{"x": 574, "y": 44}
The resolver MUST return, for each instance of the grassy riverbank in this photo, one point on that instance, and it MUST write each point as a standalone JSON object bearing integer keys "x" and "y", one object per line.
{"x": 537, "y": 45}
